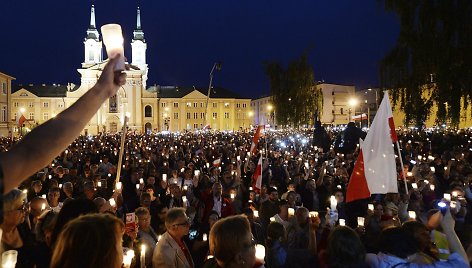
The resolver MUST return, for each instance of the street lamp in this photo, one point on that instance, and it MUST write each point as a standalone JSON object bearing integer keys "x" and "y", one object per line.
{"x": 216, "y": 66}
{"x": 352, "y": 103}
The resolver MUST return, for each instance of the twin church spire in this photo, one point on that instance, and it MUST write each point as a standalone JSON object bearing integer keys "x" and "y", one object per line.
{"x": 93, "y": 45}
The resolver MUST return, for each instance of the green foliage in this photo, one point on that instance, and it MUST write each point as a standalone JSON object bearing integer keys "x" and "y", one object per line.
{"x": 433, "y": 50}
{"x": 294, "y": 93}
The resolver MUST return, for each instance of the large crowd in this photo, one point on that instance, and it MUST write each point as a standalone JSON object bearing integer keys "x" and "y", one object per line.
{"x": 185, "y": 190}
{"x": 226, "y": 199}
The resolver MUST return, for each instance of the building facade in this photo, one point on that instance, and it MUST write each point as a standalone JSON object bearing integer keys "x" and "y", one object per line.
{"x": 5, "y": 104}
{"x": 337, "y": 109}
{"x": 262, "y": 111}
{"x": 150, "y": 109}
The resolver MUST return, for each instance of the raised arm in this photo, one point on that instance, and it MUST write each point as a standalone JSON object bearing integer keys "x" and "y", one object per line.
{"x": 47, "y": 141}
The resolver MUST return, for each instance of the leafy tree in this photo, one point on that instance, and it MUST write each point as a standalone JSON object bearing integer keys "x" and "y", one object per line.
{"x": 293, "y": 90}
{"x": 433, "y": 52}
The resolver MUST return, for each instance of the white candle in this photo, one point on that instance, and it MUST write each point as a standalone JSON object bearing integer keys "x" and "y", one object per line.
{"x": 370, "y": 207}
{"x": 360, "y": 221}
{"x": 43, "y": 196}
{"x": 143, "y": 256}
{"x": 118, "y": 185}
{"x": 185, "y": 187}
{"x": 455, "y": 194}
{"x": 43, "y": 206}
{"x": 232, "y": 196}
{"x": 447, "y": 197}
{"x": 9, "y": 258}
{"x": 433, "y": 169}
{"x": 313, "y": 214}
{"x": 141, "y": 181}
{"x": 128, "y": 258}
{"x": 164, "y": 177}
{"x": 182, "y": 170}
{"x": 238, "y": 157}
{"x": 197, "y": 173}
{"x": 158, "y": 238}
{"x": 113, "y": 40}
{"x": 414, "y": 185}
{"x": 432, "y": 187}
{"x": 412, "y": 214}
{"x": 60, "y": 185}
{"x": 137, "y": 186}
{"x": 272, "y": 219}
{"x": 99, "y": 184}
{"x": 342, "y": 222}
{"x": 260, "y": 253}
{"x": 184, "y": 201}
{"x": 333, "y": 202}
{"x": 205, "y": 237}
{"x": 208, "y": 165}
{"x": 409, "y": 174}
{"x": 112, "y": 202}
{"x": 291, "y": 212}
{"x": 256, "y": 213}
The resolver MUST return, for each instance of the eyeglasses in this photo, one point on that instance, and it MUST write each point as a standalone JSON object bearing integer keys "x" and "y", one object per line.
{"x": 187, "y": 223}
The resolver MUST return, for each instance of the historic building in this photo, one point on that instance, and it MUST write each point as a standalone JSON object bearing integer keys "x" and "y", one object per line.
{"x": 150, "y": 109}
{"x": 5, "y": 103}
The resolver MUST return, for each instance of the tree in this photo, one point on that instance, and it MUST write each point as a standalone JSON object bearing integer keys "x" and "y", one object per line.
{"x": 293, "y": 90}
{"x": 433, "y": 53}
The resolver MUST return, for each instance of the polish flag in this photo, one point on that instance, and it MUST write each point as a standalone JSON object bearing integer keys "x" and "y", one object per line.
{"x": 257, "y": 176}
{"x": 217, "y": 162}
{"x": 20, "y": 120}
{"x": 255, "y": 139}
{"x": 375, "y": 169}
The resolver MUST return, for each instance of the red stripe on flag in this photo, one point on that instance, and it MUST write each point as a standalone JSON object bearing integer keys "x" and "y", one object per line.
{"x": 358, "y": 188}
{"x": 393, "y": 133}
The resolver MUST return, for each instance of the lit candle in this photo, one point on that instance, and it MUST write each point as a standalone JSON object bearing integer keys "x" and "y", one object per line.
{"x": 360, "y": 221}
{"x": 291, "y": 212}
{"x": 43, "y": 206}
{"x": 113, "y": 40}
{"x": 99, "y": 184}
{"x": 455, "y": 194}
{"x": 433, "y": 169}
{"x": 143, "y": 256}
{"x": 409, "y": 174}
{"x": 118, "y": 185}
{"x": 370, "y": 207}
{"x": 412, "y": 214}
{"x": 112, "y": 202}
{"x": 182, "y": 170}
{"x": 137, "y": 186}
{"x": 43, "y": 196}
{"x": 232, "y": 195}
{"x": 238, "y": 157}
{"x": 164, "y": 177}
{"x": 141, "y": 181}
{"x": 272, "y": 219}
{"x": 414, "y": 185}
{"x": 432, "y": 187}
{"x": 9, "y": 258}
{"x": 313, "y": 214}
{"x": 208, "y": 165}
{"x": 260, "y": 253}
{"x": 333, "y": 202}
{"x": 184, "y": 200}
{"x": 205, "y": 237}
{"x": 256, "y": 213}
{"x": 197, "y": 173}
{"x": 447, "y": 197}
{"x": 60, "y": 185}
{"x": 185, "y": 187}
{"x": 128, "y": 258}
{"x": 342, "y": 222}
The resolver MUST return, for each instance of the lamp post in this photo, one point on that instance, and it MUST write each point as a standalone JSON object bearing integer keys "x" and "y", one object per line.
{"x": 352, "y": 104}
{"x": 216, "y": 66}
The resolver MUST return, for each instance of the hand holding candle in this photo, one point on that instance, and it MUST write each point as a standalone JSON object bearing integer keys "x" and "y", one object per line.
{"x": 113, "y": 40}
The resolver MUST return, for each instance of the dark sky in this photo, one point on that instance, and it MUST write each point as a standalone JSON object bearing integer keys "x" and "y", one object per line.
{"x": 42, "y": 41}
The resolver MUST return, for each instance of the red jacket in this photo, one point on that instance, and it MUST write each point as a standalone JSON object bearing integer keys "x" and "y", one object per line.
{"x": 209, "y": 202}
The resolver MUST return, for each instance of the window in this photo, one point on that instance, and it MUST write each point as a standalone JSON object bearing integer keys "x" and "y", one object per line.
{"x": 342, "y": 110}
{"x": 15, "y": 104}
{"x": 238, "y": 105}
{"x": 202, "y": 115}
{"x": 201, "y": 105}
{"x": 4, "y": 113}
{"x": 195, "y": 105}
{"x": 148, "y": 111}
{"x": 4, "y": 88}
{"x": 45, "y": 116}
{"x": 46, "y": 104}
{"x": 188, "y": 115}
{"x": 31, "y": 116}
{"x": 176, "y": 115}
{"x": 189, "y": 104}
{"x": 227, "y": 115}
{"x": 226, "y": 105}
{"x": 60, "y": 104}
{"x": 215, "y": 105}
{"x": 215, "y": 115}
{"x": 15, "y": 115}
{"x": 176, "y": 105}
{"x": 244, "y": 105}
{"x": 195, "y": 115}
{"x": 163, "y": 104}
{"x": 195, "y": 126}
{"x": 112, "y": 105}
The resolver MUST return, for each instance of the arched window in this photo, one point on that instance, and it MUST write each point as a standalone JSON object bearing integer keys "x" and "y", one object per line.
{"x": 148, "y": 111}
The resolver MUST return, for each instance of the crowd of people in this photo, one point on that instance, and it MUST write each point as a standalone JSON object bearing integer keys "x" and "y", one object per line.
{"x": 185, "y": 190}
{"x": 194, "y": 199}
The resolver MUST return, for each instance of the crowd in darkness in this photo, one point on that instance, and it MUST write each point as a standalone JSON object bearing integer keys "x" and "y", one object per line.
{"x": 204, "y": 178}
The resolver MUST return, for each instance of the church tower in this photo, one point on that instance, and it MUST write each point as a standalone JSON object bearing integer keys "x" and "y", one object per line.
{"x": 138, "y": 47}
{"x": 92, "y": 43}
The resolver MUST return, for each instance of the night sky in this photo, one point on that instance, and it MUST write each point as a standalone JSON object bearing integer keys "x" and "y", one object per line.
{"x": 42, "y": 41}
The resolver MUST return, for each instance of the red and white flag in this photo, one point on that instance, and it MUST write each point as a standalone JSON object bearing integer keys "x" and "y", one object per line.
{"x": 257, "y": 176}
{"x": 217, "y": 162}
{"x": 375, "y": 169}
{"x": 255, "y": 140}
{"x": 20, "y": 120}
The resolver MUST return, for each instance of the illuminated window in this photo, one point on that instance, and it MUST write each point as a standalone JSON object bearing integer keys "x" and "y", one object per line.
{"x": 148, "y": 111}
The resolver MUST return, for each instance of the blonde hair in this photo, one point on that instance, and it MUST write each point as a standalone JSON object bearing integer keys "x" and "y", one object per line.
{"x": 227, "y": 238}
{"x": 92, "y": 240}
{"x": 13, "y": 200}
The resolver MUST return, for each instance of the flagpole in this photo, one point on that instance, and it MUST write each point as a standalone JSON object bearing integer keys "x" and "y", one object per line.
{"x": 122, "y": 147}
{"x": 403, "y": 170}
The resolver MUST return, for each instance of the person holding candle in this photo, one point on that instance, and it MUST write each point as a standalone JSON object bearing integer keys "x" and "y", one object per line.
{"x": 232, "y": 244}
{"x": 171, "y": 251}
{"x": 146, "y": 234}
{"x": 16, "y": 232}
